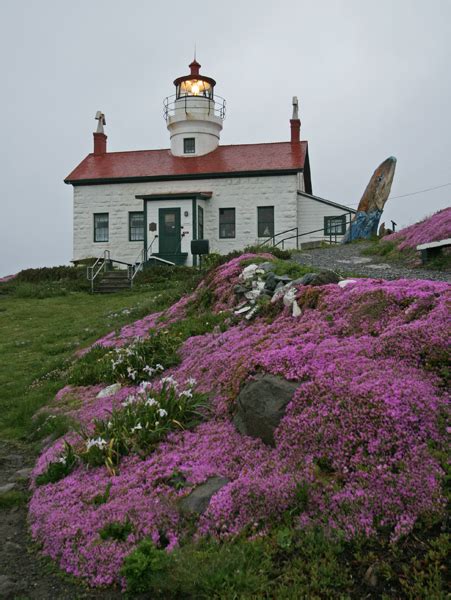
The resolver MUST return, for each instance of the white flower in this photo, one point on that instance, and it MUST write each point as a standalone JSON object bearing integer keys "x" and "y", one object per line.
{"x": 145, "y": 385}
{"x": 99, "y": 443}
{"x": 62, "y": 460}
{"x": 162, "y": 412}
{"x": 149, "y": 370}
{"x": 109, "y": 424}
{"x": 170, "y": 380}
{"x": 131, "y": 373}
{"x": 191, "y": 381}
{"x": 136, "y": 427}
{"x": 186, "y": 394}
{"x": 150, "y": 402}
{"x": 159, "y": 367}
{"x": 129, "y": 400}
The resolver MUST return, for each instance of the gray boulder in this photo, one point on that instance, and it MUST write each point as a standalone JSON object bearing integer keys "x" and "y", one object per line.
{"x": 261, "y": 406}
{"x": 321, "y": 278}
{"x": 197, "y": 502}
{"x": 266, "y": 266}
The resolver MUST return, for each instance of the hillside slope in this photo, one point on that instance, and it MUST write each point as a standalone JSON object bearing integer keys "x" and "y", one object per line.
{"x": 358, "y": 450}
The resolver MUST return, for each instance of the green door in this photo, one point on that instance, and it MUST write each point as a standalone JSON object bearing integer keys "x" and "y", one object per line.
{"x": 169, "y": 234}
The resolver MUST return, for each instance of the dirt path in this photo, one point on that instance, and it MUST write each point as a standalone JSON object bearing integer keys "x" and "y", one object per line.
{"x": 349, "y": 259}
{"x": 24, "y": 573}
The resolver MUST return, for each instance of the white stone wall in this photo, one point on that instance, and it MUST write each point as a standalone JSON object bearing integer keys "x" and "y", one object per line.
{"x": 311, "y": 215}
{"x": 245, "y": 194}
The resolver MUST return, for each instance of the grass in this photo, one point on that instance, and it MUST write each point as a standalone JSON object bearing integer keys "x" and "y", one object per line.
{"x": 13, "y": 498}
{"x": 40, "y": 335}
{"x": 291, "y": 563}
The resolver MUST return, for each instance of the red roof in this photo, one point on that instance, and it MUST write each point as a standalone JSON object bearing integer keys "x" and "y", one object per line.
{"x": 161, "y": 164}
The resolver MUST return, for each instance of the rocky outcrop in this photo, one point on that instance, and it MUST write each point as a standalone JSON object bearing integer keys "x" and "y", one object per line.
{"x": 198, "y": 500}
{"x": 261, "y": 406}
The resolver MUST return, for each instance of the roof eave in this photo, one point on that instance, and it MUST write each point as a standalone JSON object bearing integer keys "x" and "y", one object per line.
{"x": 216, "y": 175}
{"x": 329, "y": 202}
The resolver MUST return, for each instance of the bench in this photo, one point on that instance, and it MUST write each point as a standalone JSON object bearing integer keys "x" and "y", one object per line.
{"x": 432, "y": 249}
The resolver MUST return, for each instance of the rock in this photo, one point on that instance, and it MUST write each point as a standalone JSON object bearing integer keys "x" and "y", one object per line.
{"x": 321, "y": 278}
{"x": 370, "y": 576}
{"x": 109, "y": 391}
{"x": 282, "y": 279}
{"x": 197, "y": 502}
{"x": 242, "y": 310}
{"x": 296, "y": 312}
{"x": 12, "y": 547}
{"x": 270, "y": 282}
{"x": 7, "y": 587}
{"x": 239, "y": 290}
{"x": 266, "y": 266}
{"x": 249, "y": 272}
{"x": 23, "y": 474}
{"x": 344, "y": 282}
{"x": 4, "y": 489}
{"x": 261, "y": 406}
{"x": 290, "y": 296}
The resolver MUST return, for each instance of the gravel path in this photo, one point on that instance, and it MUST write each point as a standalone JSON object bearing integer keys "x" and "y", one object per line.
{"x": 347, "y": 259}
{"x": 24, "y": 573}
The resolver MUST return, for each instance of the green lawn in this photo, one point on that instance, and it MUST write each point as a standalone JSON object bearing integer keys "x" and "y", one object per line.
{"x": 38, "y": 338}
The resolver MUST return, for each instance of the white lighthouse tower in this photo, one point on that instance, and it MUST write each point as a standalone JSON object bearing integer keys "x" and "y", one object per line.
{"x": 194, "y": 114}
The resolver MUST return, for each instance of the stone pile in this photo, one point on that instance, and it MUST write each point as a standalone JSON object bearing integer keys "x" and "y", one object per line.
{"x": 260, "y": 283}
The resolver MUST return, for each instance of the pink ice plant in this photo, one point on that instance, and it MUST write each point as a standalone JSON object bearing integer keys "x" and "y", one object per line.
{"x": 431, "y": 229}
{"x": 356, "y": 435}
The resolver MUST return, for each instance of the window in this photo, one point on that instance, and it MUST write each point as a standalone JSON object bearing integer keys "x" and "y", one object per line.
{"x": 100, "y": 227}
{"x": 265, "y": 217}
{"x": 226, "y": 222}
{"x": 136, "y": 226}
{"x": 335, "y": 225}
{"x": 189, "y": 145}
{"x": 200, "y": 223}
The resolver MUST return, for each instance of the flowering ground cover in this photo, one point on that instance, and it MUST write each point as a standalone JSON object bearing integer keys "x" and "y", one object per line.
{"x": 401, "y": 246}
{"x": 359, "y": 452}
{"x": 434, "y": 228}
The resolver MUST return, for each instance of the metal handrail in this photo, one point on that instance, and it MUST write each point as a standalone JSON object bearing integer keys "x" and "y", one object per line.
{"x": 299, "y": 235}
{"x": 143, "y": 257}
{"x": 273, "y": 237}
{"x": 218, "y": 104}
{"x": 103, "y": 260}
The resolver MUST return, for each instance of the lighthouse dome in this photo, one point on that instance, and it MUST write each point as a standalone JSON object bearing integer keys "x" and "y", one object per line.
{"x": 194, "y": 114}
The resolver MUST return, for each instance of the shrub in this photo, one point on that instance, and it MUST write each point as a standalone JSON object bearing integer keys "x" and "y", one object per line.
{"x": 204, "y": 570}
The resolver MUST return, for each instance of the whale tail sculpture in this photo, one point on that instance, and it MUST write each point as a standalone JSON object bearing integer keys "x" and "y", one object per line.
{"x": 365, "y": 222}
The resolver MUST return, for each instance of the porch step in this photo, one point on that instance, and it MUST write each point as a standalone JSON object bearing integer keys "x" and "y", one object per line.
{"x": 113, "y": 281}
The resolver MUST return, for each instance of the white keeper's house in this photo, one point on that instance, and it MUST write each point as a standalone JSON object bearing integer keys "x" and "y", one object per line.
{"x": 153, "y": 203}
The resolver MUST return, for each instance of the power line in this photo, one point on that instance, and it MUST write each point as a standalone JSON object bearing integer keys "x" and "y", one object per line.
{"x": 437, "y": 187}
{"x": 420, "y": 191}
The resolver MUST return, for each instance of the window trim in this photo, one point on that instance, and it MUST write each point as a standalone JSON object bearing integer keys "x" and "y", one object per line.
{"x": 327, "y": 224}
{"x": 264, "y": 222}
{"x": 189, "y": 139}
{"x": 227, "y": 237}
{"x": 102, "y": 214}
{"x": 135, "y": 212}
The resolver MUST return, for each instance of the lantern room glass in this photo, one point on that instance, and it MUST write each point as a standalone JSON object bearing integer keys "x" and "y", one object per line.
{"x": 195, "y": 87}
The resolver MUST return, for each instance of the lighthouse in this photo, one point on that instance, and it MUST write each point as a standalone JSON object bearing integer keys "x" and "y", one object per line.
{"x": 194, "y": 114}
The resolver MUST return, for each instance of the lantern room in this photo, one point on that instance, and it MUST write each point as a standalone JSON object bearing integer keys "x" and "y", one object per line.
{"x": 194, "y": 84}
{"x": 194, "y": 114}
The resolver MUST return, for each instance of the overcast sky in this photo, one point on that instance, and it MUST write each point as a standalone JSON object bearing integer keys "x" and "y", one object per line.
{"x": 373, "y": 80}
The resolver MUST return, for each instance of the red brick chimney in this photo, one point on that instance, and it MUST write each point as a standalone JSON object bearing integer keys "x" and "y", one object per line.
{"x": 295, "y": 123}
{"x": 99, "y": 143}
